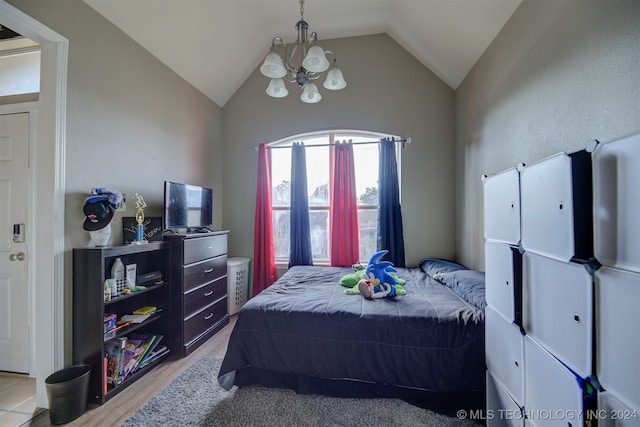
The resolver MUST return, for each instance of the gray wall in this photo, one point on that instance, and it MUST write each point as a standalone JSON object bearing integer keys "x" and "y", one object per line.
{"x": 131, "y": 122}
{"x": 560, "y": 73}
{"x": 388, "y": 91}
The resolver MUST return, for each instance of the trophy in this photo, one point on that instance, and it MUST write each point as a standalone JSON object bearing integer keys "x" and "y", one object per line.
{"x": 140, "y": 205}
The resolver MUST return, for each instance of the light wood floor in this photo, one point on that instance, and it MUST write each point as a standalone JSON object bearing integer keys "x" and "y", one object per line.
{"x": 126, "y": 403}
{"x": 17, "y": 399}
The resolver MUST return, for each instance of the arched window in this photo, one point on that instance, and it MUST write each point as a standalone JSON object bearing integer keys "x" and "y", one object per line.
{"x": 318, "y": 157}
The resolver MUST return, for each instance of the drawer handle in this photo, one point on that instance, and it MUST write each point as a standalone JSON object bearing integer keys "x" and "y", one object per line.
{"x": 576, "y": 318}
{"x": 208, "y": 270}
{"x": 207, "y": 294}
{"x": 209, "y": 247}
{"x": 208, "y": 317}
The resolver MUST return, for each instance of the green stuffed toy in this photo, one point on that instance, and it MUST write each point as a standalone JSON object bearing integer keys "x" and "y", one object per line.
{"x": 351, "y": 281}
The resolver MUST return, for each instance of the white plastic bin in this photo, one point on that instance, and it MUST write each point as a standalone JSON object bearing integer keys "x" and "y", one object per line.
{"x": 237, "y": 283}
{"x": 502, "y": 207}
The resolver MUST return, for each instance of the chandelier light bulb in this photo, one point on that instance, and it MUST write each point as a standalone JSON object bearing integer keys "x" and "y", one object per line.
{"x": 310, "y": 94}
{"x": 273, "y": 66}
{"x": 335, "y": 80}
{"x": 315, "y": 61}
{"x": 277, "y": 88}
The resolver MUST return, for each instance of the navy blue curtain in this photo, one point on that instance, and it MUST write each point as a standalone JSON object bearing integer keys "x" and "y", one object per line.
{"x": 300, "y": 237}
{"x": 390, "y": 233}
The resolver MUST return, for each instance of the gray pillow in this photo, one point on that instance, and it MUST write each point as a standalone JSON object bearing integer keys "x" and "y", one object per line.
{"x": 433, "y": 266}
{"x": 467, "y": 284}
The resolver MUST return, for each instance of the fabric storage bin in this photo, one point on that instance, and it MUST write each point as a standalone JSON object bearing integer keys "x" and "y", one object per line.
{"x": 502, "y": 207}
{"x": 557, "y": 217}
{"x": 558, "y": 309}
{"x": 237, "y": 283}
{"x": 618, "y": 333}
{"x": 503, "y": 280}
{"x": 505, "y": 354}
{"x": 502, "y": 410}
{"x": 616, "y": 174}
{"x": 554, "y": 395}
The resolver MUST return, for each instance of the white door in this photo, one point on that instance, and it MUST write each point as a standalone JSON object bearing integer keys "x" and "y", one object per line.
{"x": 14, "y": 253}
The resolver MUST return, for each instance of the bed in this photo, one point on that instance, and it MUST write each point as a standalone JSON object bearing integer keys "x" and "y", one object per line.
{"x": 305, "y": 333}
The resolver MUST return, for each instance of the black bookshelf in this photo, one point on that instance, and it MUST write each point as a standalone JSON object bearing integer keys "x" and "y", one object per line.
{"x": 91, "y": 267}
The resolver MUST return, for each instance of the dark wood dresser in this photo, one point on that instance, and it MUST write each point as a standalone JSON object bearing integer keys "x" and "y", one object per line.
{"x": 198, "y": 288}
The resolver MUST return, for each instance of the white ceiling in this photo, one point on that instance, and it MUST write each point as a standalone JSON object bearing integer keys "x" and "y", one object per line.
{"x": 216, "y": 44}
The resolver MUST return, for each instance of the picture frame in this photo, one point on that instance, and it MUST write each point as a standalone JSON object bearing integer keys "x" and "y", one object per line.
{"x": 153, "y": 230}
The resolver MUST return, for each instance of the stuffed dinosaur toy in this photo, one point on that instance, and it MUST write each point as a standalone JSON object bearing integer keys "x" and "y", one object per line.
{"x": 375, "y": 280}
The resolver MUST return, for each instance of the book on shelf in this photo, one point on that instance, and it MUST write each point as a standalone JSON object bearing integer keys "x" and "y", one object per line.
{"x": 145, "y": 310}
{"x": 105, "y": 374}
{"x": 150, "y": 349}
{"x": 159, "y": 351}
{"x": 135, "y": 318}
{"x": 147, "y": 341}
{"x": 132, "y": 351}
{"x": 124, "y": 356}
{"x": 114, "y": 350}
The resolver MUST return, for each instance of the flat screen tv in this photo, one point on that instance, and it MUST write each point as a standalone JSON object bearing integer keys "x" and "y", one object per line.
{"x": 187, "y": 207}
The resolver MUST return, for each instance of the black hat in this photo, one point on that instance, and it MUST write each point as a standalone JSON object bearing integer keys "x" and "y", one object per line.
{"x": 98, "y": 215}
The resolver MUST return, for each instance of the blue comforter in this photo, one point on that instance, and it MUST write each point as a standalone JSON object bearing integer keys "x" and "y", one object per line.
{"x": 304, "y": 324}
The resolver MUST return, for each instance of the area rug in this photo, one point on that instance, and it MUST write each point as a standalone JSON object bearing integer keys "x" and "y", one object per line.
{"x": 195, "y": 399}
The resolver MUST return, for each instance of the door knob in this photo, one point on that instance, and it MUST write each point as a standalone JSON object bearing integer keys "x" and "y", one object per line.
{"x": 19, "y": 256}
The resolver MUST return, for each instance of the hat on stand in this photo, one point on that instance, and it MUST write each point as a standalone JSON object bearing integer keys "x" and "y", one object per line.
{"x": 99, "y": 208}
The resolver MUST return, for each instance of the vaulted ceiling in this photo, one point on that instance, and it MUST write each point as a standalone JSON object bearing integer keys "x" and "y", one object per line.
{"x": 216, "y": 44}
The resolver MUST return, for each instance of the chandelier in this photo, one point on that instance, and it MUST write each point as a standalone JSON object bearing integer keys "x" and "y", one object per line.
{"x": 313, "y": 63}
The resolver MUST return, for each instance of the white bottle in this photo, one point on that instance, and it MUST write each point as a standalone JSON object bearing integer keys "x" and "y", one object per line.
{"x": 117, "y": 270}
{"x": 114, "y": 288}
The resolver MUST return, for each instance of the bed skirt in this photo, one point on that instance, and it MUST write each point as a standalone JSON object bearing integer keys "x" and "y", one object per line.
{"x": 442, "y": 401}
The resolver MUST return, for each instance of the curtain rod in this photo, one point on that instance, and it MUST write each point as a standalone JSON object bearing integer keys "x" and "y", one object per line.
{"x": 401, "y": 140}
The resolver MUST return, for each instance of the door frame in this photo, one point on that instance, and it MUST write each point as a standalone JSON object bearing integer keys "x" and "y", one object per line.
{"x": 49, "y": 142}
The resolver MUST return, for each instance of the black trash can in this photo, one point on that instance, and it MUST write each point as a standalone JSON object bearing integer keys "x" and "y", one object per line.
{"x": 67, "y": 392}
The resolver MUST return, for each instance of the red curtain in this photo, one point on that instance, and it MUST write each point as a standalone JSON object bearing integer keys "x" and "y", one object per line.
{"x": 344, "y": 207}
{"x": 264, "y": 267}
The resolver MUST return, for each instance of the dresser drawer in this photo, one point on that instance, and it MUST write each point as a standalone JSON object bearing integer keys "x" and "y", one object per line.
{"x": 200, "y": 248}
{"x": 204, "y": 319}
{"x": 203, "y": 296}
{"x": 205, "y": 271}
